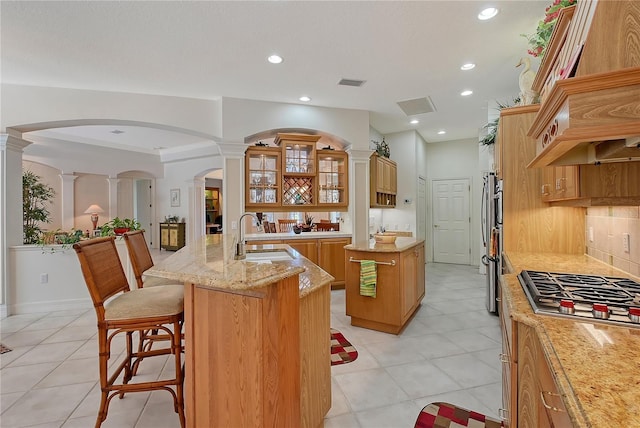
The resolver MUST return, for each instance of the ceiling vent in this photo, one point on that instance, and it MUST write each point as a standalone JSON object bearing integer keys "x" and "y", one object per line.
{"x": 351, "y": 82}
{"x": 417, "y": 106}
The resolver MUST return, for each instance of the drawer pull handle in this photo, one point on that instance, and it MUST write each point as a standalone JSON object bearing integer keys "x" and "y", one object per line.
{"x": 544, "y": 403}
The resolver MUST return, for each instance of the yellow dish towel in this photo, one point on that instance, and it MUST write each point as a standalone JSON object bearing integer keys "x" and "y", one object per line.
{"x": 368, "y": 278}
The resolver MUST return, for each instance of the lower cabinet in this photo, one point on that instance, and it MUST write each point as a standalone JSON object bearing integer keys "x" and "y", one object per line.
{"x": 399, "y": 288}
{"x": 172, "y": 236}
{"x": 539, "y": 402}
{"x": 328, "y": 253}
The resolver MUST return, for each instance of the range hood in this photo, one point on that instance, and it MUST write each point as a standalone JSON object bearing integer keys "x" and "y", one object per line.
{"x": 590, "y": 119}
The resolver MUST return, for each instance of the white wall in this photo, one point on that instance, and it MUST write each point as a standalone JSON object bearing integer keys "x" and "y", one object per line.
{"x": 454, "y": 160}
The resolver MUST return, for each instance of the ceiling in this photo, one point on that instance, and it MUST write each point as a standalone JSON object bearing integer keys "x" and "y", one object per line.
{"x": 211, "y": 49}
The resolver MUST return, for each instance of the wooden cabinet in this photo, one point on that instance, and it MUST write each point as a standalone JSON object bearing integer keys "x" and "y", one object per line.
{"x": 262, "y": 169}
{"x": 172, "y": 236}
{"x": 331, "y": 258}
{"x": 298, "y": 169}
{"x": 212, "y": 208}
{"x": 508, "y": 358}
{"x": 296, "y": 176}
{"x": 307, "y": 247}
{"x": 333, "y": 185}
{"x": 383, "y": 185}
{"x": 560, "y": 183}
{"x": 327, "y": 253}
{"x": 592, "y": 185}
{"x": 539, "y": 403}
{"x": 399, "y": 290}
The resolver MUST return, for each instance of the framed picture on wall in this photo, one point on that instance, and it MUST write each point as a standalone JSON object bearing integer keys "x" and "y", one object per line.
{"x": 174, "y": 195}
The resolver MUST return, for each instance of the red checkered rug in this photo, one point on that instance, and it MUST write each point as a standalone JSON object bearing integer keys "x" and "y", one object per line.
{"x": 342, "y": 352}
{"x": 445, "y": 415}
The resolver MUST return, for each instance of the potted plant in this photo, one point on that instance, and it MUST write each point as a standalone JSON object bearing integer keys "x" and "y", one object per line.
{"x": 35, "y": 195}
{"x": 308, "y": 223}
{"x": 118, "y": 226}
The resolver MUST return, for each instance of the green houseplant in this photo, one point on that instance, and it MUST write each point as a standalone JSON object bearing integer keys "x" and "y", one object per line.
{"x": 118, "y": 226}
{"x": 35, "y": 196}
{"x": 539, "y": 40}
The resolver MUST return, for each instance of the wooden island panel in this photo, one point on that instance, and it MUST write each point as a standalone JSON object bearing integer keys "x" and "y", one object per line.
{"x": 400, "y": 284}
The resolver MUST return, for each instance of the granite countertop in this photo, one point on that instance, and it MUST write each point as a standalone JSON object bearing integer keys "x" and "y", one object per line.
{"x": 596, "y": 366}
{"x": 209, "y": 262}
{"x": 401, "y": 244}
{"x": 290, "y": 235}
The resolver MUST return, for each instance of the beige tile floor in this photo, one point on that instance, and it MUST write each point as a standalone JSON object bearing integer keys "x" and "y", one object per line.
{"x": 449, "y": 352}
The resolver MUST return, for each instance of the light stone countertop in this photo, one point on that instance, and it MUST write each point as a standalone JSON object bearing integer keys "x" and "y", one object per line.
{"x": 290, "y": 235}
{"x": 209, "y": 262}
{"x": 596, "y": 366}
{"x": 401, "y": 244}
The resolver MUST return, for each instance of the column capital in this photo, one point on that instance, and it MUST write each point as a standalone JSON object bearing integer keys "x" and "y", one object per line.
{"x": 232, "y": 150}
{"x": 359, "y": 155}
{"x": 8, "y": 142}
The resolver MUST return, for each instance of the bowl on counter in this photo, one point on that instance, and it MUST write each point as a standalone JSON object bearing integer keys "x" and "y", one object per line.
{"x": 385, "y": 238}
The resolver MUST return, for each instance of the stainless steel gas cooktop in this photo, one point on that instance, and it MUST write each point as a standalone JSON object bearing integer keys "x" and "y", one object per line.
{"x": 598, "y": 298}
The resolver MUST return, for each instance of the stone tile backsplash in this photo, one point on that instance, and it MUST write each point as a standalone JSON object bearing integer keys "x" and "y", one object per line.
{"x": 605, "y": 229}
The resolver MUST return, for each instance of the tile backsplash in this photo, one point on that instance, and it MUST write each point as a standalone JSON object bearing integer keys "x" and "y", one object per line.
{"x": 605, "y": 236}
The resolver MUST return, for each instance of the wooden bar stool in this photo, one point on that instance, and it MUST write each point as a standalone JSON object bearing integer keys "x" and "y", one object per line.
{"x": 121, "y": 310}
{"x": 286, "y": 225}
{"x": 141, "y": 260}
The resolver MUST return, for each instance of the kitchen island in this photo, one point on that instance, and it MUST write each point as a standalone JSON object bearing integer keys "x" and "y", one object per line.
{"x": 594, "y": 367}
{"x": 257, "y": 336}
{"x": 400, "y": 283}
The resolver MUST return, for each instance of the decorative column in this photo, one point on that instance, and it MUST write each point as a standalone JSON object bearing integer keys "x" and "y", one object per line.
{"x": 359, "y": 200}
{"x": 113, "y": 197}
{"x": 68, "y": 201}
{"x": 11, "y": 149}
{"x": 233, "y": 183}
{"x": 197, "y": 220}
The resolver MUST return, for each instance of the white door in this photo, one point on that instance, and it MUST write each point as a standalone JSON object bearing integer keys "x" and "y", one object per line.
{"x": 451, "y": 221}
{"x": 421, "y": 211}
{"x": 142, "y": 207}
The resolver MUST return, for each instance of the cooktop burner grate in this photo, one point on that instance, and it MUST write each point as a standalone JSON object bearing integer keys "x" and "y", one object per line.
{"x": 545, "y": 290}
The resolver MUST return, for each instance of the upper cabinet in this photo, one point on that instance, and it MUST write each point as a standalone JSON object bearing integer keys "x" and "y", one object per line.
{"x": 333, "y": 183}
{"x": 263, "y": 183}
{"x": 383, "y": 185}
{"x": 589, "y": 82}
{"x": 295, "y": 176}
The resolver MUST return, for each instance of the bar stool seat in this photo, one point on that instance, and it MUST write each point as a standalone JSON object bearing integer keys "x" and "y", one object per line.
{"x": 159, "y": 301}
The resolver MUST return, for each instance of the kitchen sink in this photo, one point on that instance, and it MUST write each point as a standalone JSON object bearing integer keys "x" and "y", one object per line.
{"x": 267, "y": 256}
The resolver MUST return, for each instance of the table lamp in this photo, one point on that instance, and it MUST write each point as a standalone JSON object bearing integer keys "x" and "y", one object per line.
{"x": 94, "y": 210}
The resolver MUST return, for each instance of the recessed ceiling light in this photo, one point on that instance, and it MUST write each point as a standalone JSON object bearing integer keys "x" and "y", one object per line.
{"x": 466, "y": 93}
{"x": 467, "y": 66}
{"x": 487, "y": 13}
{"x": 304, "y": 98}
{"x": 414, "y": 121}
{"x": 275, "y": 59}
{"x": 442, "y": 132}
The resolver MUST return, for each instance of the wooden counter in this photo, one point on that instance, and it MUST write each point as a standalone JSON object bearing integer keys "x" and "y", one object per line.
{"x": 400, "y": 284}
{"x": 257, "y": 337}
{"x": 595, "y": 366}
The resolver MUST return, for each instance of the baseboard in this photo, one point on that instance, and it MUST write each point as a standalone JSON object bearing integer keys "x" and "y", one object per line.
{"x": 50, "y": 306}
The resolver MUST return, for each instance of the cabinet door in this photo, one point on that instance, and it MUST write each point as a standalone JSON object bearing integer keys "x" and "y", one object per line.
{"x": 173, "y": 235}
{"x": 307, "y": 247}
{"x": 331, "y": 258}
{"x": 164, "y": 235}
{"x": 262, "y": 177}
{"x": 528, "y": 397}
{"x": 420, "y": 273}
{"x": 332, "y": 178}
{"x": 380, "y": 181}
{"x": 408, "y": 279}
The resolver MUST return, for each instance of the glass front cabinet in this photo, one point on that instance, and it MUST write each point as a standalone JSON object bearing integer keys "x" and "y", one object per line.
{"x": 295, "y": 175}
{"x": 262, "y": 166}
{"x": 333, "y": 183}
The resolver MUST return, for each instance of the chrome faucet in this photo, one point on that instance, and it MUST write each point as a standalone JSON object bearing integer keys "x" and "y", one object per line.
{"x": 240, "y": 251}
